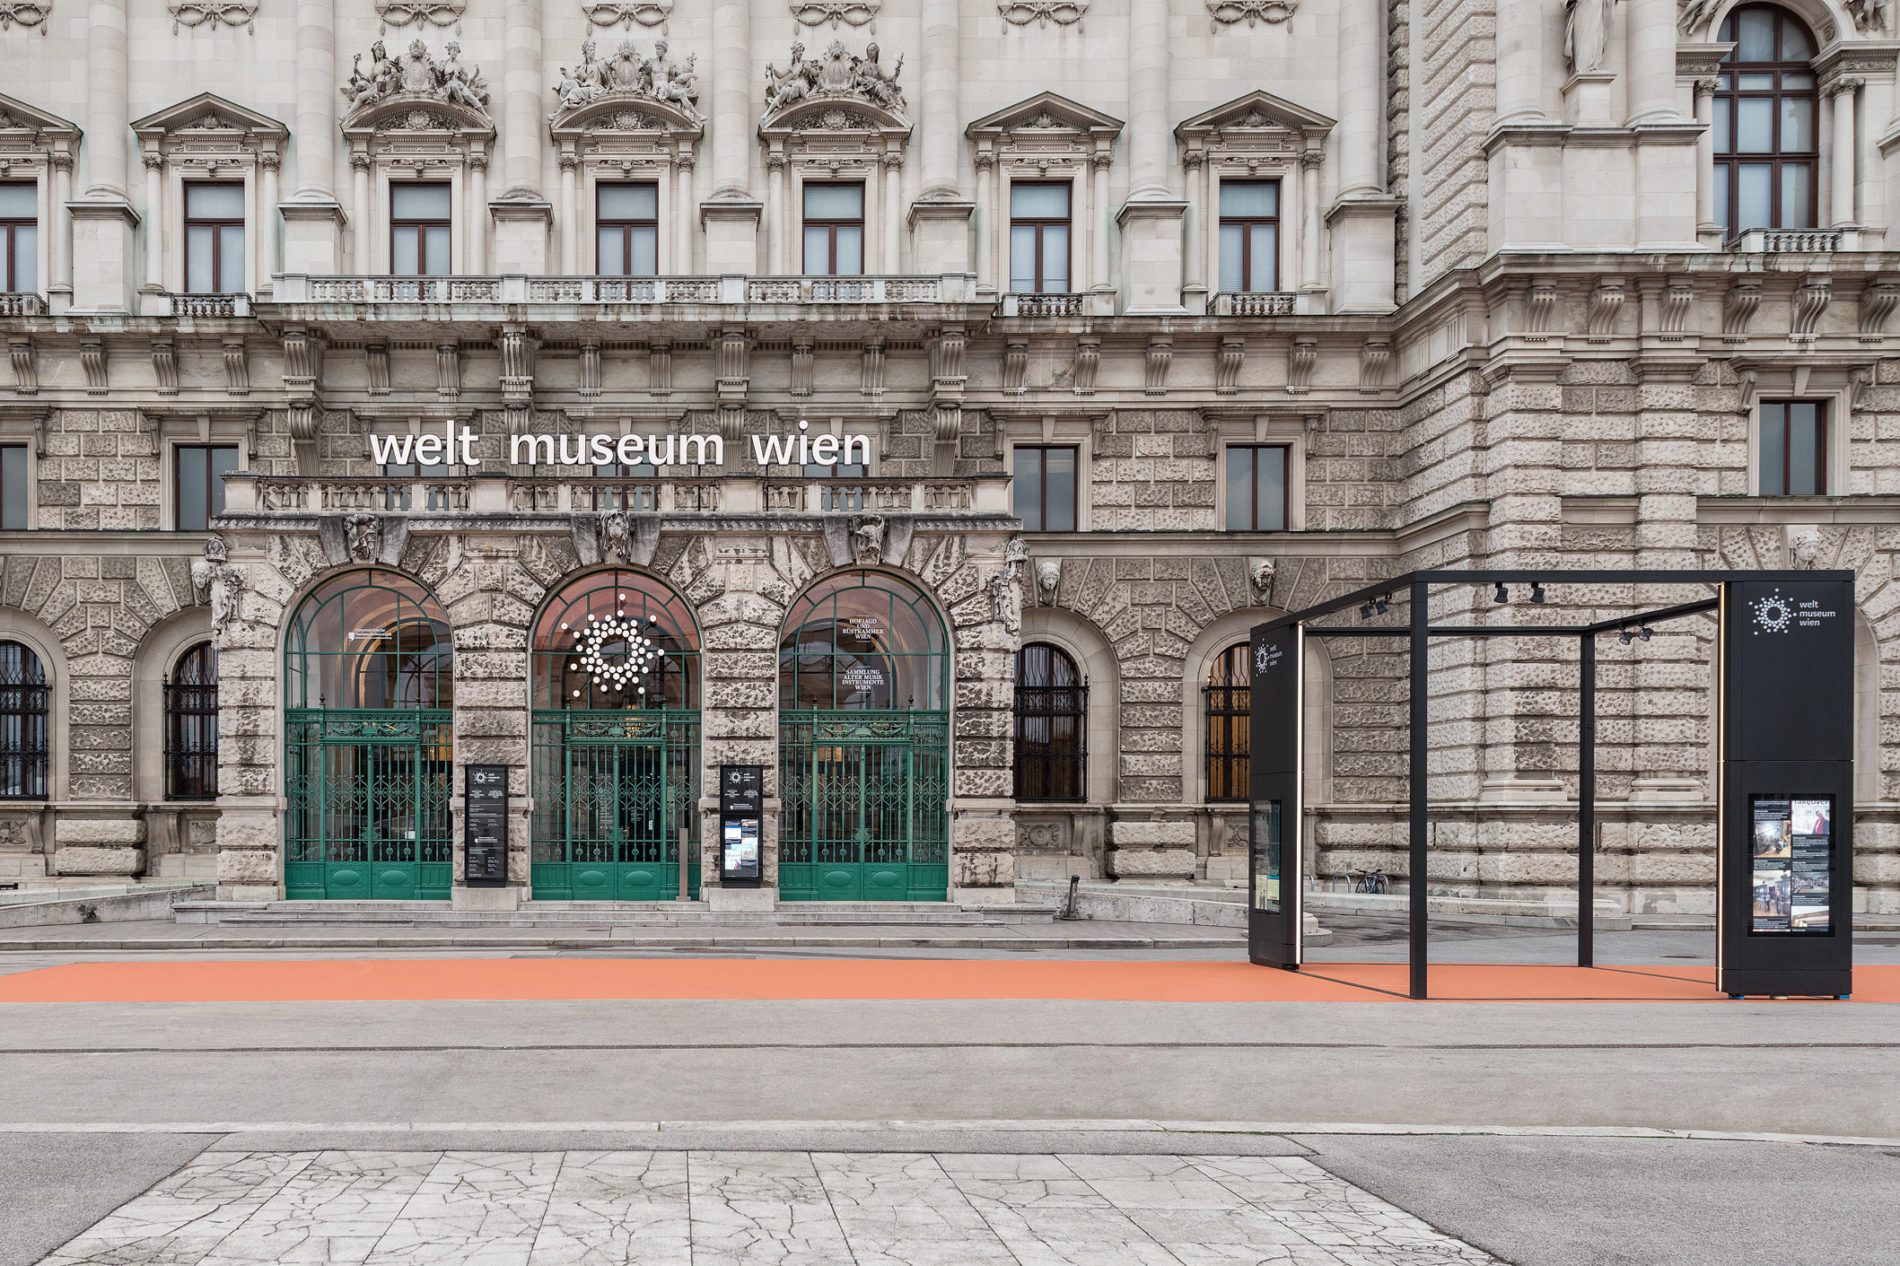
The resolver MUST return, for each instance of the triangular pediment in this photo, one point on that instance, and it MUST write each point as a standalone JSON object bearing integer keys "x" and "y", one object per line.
{"x": 1047, "y": 112}
{"x": 1257, "y": 110}
{"x": 17, "y": 115}
{"x": 208, "y": 112}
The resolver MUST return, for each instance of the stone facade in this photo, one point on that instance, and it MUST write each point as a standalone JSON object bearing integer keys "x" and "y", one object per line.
{"x": 1502, "y": 330}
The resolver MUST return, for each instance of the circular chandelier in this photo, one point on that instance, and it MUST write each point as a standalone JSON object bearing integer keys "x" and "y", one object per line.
{"x": 616, "y": 673}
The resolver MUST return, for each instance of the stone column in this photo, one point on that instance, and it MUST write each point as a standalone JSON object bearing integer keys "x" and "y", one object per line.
{"x": 893, "y": 212}
{"x": 731, "y": 215}
{"x": 1651, "y": 80}
{"x": 683, "y": 164}
{"x": 1199, "y": 212}
{"x": 522, "y": 214}
{"x": 1311, "y": 225}
{"x": 1842, "y": 184}
{"x": 1521, "y": 26}
{"x": 571, "y": 216}
{"x": 1151, "y": 218}
{"x": 313, "y": 218}
{"x": 1705, "y": 156}
{"x": 1098, "y": 230}
{"x": 476, "y": 260}
{"x": 103, "y": 220}
{"x": 1361, "y": 74}
{"x": 937, "y": 101}
{"x": 267, "y": 180}
{"x": 154, "y": 163}
{"x": 365, "y": 260}
{"x": 62, "y": 249}
{"x": 986, "y": 223}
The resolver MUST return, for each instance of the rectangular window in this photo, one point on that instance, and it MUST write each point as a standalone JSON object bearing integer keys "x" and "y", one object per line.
{"x": 1256, "y": 488}
{"x": 419, "y": 228}
{"x": 627, "y": 230}
{"x": 1045, "y": 489}
{"x": 834, "y": 230}
{"x": 19, "y": 238}
{"x": 1039, "y": 238}
{"x": 198, "y": 482}
{"x": 13, "y": 488}
{"x": 1793, "y": 448}
{"x": 1249, "y": 236}
{"x": 214, "y": 238}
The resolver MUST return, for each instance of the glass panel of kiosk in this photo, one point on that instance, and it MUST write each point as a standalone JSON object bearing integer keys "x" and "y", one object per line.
{"x": 1274, "y": 814}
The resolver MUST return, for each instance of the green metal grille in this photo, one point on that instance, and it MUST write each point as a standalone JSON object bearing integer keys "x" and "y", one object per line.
{"x": 865, "y": 798}
{"x": 368, "y": 793}
{"x": 612, "y": 791}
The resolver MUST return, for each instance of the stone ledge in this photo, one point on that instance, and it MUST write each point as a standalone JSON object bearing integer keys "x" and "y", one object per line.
{"x": 1159, "y": 863}
{"x": 100, "y": 861}
{"x": 100, "y": 831}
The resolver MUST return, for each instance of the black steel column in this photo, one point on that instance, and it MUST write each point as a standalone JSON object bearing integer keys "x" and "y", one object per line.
{"x": 1421, "y": 656}
{"x": 1587, "y": 804}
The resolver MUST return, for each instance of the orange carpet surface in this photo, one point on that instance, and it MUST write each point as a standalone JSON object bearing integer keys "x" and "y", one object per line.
{"x": 504, "y": 979}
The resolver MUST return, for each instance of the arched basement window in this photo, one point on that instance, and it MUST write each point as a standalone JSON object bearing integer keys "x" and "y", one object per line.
{"x": 1227, "y": 702}
{"x": 1052, "y": 703}
{"x": 22, "y": 724}
{"x": 191, "y": 725}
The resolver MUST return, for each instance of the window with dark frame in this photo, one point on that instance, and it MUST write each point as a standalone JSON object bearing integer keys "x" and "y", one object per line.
{"x": 1767, "y": 154}
{"x": 1043, "y": 488}
{"x": 23, "y": 743}
{"x": 420, "y": 228}
{"x": 1256, "y": 488}
{"x": 1249, "y": 236}
{"x": 13, "y": 488}
{"x": 834, "y": 230}
{"x": 1227, "y": 702}
{"x": 214, "y": 238}
{"x": 19, "y": 237}
{"x": 198, "y": 472}
{"x": 627, "y": 230}
{"x": 191, "y": 726}
{"x": 1038, "y": 238}
{"x": 1052, "y": 704}
{"x": 1793, "y": 448}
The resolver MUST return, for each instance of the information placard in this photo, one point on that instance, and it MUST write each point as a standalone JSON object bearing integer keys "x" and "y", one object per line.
{"x": 485, "y": 827}
{"x": 1793, "y": 864}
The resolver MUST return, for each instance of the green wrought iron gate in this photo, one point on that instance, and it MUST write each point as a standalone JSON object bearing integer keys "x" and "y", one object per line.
{"x": 368, "y": 794}
{"x": 612, "y": 790}
{"x": 865, "y": 814}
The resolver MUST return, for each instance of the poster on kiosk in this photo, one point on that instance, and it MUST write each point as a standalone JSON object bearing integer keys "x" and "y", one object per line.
{"x": 1785, "y": 894}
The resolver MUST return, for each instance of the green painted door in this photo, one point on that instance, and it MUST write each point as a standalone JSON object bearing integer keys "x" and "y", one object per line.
{"x": 612, "y": 791}
{"x": 368, "y": 796}
{"x": 865, "y": 814}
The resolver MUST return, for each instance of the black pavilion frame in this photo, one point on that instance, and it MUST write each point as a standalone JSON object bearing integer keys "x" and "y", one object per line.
{"x": 1415, "y": 588}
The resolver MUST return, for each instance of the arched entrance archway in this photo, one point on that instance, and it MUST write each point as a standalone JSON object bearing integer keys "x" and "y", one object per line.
{"x": 368, "y": 748}
{"x": 864, "y": 744}
{"x": 615, "y": 776}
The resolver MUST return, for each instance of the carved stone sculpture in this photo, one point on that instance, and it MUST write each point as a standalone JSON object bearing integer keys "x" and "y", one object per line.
{"x": 1006, "y": 597}
{"x": 1260, "y": 573}
{"x": 1693, "y": 15}
{"x": 628, "y": 75}
{"x": 1015, "y": 557}
{"x": 204, "y": 570}
{"x": 416, "y": 74}
{"x": 1586, "y": 34}
{"x": 1870, "y": 16}
{"x": 1048, "y": 578}
{"x": 616, "y": 537}
{"x": 365, "y": 536}
{"x": 867, "y": 539}
{"x": 839, "y": 74}
{"x": 227, "y": 586}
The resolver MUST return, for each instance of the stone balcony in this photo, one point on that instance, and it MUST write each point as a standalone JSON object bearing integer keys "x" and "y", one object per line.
{"x": 451, "y": 501}
{"x": 21, "y": 304}
{"x": 208, "y": 305}
{"x": 1794, "y": 241}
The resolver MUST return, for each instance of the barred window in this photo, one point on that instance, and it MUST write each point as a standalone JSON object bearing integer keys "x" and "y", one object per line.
{"x": 1227, "y": 700}
{"x": 191, "y": 726}
{"x": 1052, "y": 704}
{"x": 22, "y": 724}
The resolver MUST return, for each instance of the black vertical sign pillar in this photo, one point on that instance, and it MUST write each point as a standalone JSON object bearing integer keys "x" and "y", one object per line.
{"x": 1420, "y": 644}
{"x": 485, "y": 826}
{"x": 1784, "y": 899}
{"x": 1275, "y": 815}
{"x": 1587, "y": 803}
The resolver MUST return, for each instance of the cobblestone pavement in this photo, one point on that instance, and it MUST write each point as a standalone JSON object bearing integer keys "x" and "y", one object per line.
{"x": 785, "y": 1208}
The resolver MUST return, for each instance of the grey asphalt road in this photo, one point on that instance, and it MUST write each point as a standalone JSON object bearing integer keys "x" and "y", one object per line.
{"x": 53, "y": 1186}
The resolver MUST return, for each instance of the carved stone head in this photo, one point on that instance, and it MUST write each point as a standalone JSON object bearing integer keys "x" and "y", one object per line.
{"x": 1260, "y": 572}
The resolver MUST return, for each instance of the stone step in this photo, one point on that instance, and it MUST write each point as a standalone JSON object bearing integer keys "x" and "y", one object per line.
{"x": 595, "y": 914}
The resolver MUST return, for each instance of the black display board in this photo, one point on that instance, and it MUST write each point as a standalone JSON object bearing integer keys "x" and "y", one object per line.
{"x": 1785, "y": 894}
{"x": 485, "y": 827}
{"x": 741, "y": 808}
{"x": 1274, "y": 812}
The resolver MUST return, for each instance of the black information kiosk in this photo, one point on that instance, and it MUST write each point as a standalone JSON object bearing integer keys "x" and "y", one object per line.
{"x": 1274, "y": 817}
{"x": 485, "y": 827}
{"x": 1784, "y": 900}
{"x": 741, "y": 806}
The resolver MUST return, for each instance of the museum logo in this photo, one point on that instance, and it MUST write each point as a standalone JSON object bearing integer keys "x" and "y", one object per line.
{"x": 1777, "y": 614}
{"x": 605, "y": 449}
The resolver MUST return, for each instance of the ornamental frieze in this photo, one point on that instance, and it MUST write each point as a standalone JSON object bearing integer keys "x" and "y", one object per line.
{"x": 627, "y": 12}
{"x": 849, "y": 12}
{"x": 1252, "y": 12}
{"x": 212, "y": 13}
{"x": 1042, "y": 12}
{"x": 24, "y": 13}
{"x": 419, "y": 12}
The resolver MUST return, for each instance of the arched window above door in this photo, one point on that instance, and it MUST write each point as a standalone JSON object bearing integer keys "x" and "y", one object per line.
{"x": 369, "y": 639}
{"x": 1767, "y": 147}
{"x": 862, "y": 641}
{"x": 614, "y": 640}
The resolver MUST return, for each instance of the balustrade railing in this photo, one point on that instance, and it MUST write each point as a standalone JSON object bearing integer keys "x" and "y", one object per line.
{"x": 210, "y": 305}
{"x": 1042, "y": 305}
{"x": 291, "y": 288}
{"x": 1794, "y": 241}
{"x": 1256, "y": 304}
{"x": 21, "y": 304}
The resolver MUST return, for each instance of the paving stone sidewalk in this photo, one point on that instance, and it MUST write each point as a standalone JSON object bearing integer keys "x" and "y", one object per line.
{"x": 786, "y": 1208}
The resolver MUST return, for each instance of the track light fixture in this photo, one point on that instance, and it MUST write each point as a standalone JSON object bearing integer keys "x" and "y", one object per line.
{"x": 1502, "y": 595}
{"x": 1537, "y": 592}
{"x": 1630, "y": 635}
{"x": 1383, "y": 603}
{"x": 1365, "y": 611}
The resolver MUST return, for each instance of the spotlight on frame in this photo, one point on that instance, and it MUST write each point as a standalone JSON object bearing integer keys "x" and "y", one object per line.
{"x": 1502, "y": 594}
{"x": 1384, "y": 603}
{"x": 1537, "y": 592}
{"x": 1365, "y": 611}
{"x": 1644, "y": 634}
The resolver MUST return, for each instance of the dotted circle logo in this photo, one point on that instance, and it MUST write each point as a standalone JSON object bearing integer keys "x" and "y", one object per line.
{"x": 1773, "y": 614}
{"x": 614, "y": 653}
